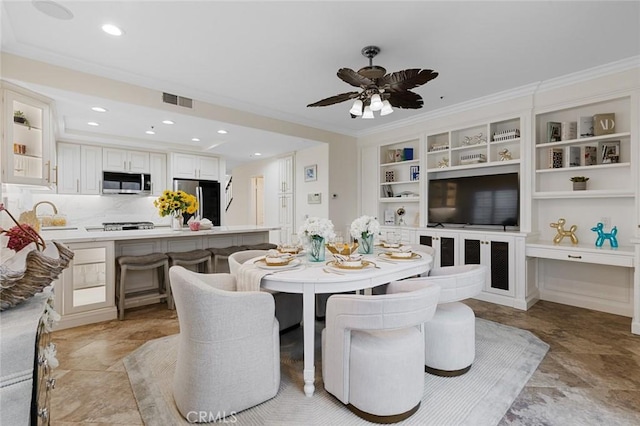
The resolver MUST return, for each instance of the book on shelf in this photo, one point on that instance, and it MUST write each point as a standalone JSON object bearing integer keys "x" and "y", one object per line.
{"x": 585, "y": 127}
{"x": 407, "y": 154}
{"x": 575, "y": 155}
{"x": 556, "y": 158}
{"x": 553, "y": 131}
{"x": 568, "y": 130}
{"x": 387, "y": 191}
{"x": 604, "y": 124}
{"x": 414, "y": 173}
{"x": 590, "y": 155}
{"x": 609, "y": 152}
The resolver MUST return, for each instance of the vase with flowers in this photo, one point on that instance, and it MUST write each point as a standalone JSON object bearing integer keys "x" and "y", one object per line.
{"x": 364, "y": 229}
{"x": 313, "y": 233}
{"x": 174, "y": 204}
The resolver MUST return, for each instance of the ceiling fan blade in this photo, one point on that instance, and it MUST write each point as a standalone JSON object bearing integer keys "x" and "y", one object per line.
{"x": 405, "y": 100}
{"x": 406, "y": 79}
{"x": 335, "y": 99}
{"x": 353, "y": 78}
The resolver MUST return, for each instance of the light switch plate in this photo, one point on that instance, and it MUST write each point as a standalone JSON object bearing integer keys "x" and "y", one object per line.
{"x": 314, "y": 198}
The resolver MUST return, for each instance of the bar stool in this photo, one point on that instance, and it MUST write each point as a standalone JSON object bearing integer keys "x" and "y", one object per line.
{"x": 143, "y": 263}
{"x": 221, "y": 255}
{"x": 199, "y": 257}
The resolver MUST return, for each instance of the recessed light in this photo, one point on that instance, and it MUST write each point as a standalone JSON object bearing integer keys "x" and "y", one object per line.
{"x": 222, "y": 132}
{"x": 112, "y": 30}
{"x": 195, "y": 139}
{"x": 53, "y": 9}
{"x": 99, "y": 109}
{"x": 257, "y": 154}
{"x": 93, "y": 123}
{"x": 150, "y": 132}
{"x": 168, "y": 122}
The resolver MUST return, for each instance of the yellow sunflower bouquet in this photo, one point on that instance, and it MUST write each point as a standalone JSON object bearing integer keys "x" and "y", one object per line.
{"x": 175, "y": 202}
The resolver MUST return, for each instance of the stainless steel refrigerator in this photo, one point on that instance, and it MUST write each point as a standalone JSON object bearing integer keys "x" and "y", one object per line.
{"x": 208, "y": 194}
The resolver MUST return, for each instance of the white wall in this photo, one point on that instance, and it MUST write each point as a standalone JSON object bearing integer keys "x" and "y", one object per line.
{"x": 308, "y": 157}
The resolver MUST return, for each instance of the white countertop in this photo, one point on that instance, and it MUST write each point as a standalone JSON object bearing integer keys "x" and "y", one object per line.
{"x": 81, "y": 234}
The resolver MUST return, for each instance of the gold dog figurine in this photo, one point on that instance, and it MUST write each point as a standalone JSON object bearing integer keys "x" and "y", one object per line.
{"x": 571, "y": 233}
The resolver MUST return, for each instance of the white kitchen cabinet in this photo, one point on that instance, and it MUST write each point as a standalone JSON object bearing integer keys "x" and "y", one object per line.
{"x": 285, "y": 174}
{"x": 158, "y": 169}
{"x": 28, "y": 152}
{"x": 86, "y": 289}
{"x": 285, "y": 216}
{"x": 79, "y": 169}
{"x": 90, "y": 170}
{"x": 188, "y": 166}
{"x": 68, "y": 171}
{"x": 120, "y": 160}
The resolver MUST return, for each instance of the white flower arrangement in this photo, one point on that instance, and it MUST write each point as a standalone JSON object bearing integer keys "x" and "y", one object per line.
{"x": 314, "y": 227}
{"x": 364, "y": 226}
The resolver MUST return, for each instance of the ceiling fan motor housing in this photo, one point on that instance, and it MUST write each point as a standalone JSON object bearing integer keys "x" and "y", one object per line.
{"x": 371, "y": 71}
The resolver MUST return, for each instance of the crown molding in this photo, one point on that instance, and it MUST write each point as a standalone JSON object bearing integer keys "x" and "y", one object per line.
{"x": 527, "y": 90}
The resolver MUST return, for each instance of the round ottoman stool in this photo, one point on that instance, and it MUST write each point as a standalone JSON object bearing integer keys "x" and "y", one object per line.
{"x": 450, "y": 340}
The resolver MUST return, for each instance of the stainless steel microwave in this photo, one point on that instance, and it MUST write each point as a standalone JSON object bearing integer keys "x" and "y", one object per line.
{"x": 126, "y": 183}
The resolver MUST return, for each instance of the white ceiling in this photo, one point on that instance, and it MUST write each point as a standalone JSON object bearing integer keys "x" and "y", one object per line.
{"x": 274, "y": 58}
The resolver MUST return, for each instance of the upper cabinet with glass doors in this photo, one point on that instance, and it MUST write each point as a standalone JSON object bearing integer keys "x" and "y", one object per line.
{"x": 27, "y": 138}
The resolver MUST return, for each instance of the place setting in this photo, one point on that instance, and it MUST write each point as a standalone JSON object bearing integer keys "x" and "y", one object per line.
{"x": 402, "y": 254}
{"x": 275, "y": 260}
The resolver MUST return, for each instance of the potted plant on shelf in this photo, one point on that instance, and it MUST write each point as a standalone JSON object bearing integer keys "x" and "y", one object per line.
{"x": 579, "y": 183}
{"x": 19, "y": 117}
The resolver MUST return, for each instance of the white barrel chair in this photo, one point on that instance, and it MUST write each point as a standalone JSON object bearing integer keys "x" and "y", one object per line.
{"x": 373, "y": 351}
{"x": 450, "y": 336}
{"x": 288, "y": 305}
{"x": 229, "y": 347}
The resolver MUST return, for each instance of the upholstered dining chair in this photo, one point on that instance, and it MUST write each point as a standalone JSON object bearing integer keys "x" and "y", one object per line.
{"x": 450, "y": 337}
{"x": 229, "y": 347}
{"x": 288, "y": 305}
{"x": 373, "y": 351}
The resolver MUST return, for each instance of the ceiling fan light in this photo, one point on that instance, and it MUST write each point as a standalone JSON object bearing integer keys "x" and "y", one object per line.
{"x": 356, "y": 109}
{"x": 376, "y": 102}
{"x": 386, "y": 108}
{"x": 368, "y": 114}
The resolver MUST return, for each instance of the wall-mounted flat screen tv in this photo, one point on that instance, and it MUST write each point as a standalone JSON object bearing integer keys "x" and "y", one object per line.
{"x": 475, "y": 200}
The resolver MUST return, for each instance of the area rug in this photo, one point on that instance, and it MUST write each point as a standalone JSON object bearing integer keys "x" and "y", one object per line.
{"x": 506, "y": 357}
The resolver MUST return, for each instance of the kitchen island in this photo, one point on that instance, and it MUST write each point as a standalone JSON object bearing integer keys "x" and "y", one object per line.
{"x": 85, "y": 292}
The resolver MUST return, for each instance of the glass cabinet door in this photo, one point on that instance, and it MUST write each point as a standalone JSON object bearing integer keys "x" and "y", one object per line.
{"x": 27, "y": 141}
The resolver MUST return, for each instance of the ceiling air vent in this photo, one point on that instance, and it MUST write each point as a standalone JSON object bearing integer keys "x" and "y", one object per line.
{"x": 168, "y": 98}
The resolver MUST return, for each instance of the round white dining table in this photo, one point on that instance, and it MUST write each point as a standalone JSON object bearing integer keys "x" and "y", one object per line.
{"x": 311, "y": 278}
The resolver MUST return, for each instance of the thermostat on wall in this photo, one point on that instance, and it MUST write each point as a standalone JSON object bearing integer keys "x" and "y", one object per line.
{"x": 314, "y": 198}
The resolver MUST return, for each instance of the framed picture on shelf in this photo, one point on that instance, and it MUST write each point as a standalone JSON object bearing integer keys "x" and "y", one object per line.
{"x": 414, "y": 172}
{"x": 311, "y": 173}
{"x": 387, "y": 191}
{"x": 554, "y": 131}
{"x": 609, "y": 152}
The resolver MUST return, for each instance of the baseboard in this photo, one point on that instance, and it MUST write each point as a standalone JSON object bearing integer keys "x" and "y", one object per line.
{"x": 596, "y": 305}
{"x": 84, "y": 318}
{"x": 501, "y": 300}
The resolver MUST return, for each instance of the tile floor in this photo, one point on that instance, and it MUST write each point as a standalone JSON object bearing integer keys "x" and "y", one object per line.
{"x": 592, "y": 354}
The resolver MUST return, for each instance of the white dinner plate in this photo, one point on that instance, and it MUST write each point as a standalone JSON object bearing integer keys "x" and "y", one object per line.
{"x": 366, "y": 265}
{"x": 260, "y": 263}
{"x": 390, "y": 255}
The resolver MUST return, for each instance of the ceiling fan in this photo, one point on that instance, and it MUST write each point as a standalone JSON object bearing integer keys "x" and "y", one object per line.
{"x": 380, "y": 91}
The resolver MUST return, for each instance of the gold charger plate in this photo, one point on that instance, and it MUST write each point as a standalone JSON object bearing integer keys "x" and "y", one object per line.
{"x": 365, "y": 264}
{"x": 390, "y": 255}
{"x": 290, "y": 263}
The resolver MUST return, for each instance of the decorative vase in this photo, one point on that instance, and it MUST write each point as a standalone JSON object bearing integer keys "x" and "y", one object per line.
{"x": 579, "y": 186}
{"x": 177, "y": 221}
{"x": 366, "y": 244}
{"x": 316, "y": 249}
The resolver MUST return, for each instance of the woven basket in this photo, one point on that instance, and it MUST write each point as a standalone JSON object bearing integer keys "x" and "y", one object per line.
{"x": 30, "y": 271}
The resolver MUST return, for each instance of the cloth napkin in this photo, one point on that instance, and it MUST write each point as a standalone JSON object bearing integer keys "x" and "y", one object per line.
{"x": 249, "y": 276}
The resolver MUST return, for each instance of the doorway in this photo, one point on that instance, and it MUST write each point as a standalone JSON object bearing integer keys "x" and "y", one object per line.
{"x": 257, "y": 201}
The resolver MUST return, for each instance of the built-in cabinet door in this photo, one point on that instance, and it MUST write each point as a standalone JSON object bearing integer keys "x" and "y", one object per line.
{"x": 68, "y": 171}
{"x": 209, "y": 168}
{"x": 445, "y": 245}
{"x": 27, "y": 145}
{"x": 285, "y": 217}
{"x": 90, "y": 170}
{"x": 497, "y": 253}
{"x": 158, "y": 168}
{"x": 89, "y": 281}
{"x": 184, "y": 166}
{"x": 119, "y": 160}
{"x": 285, "y": 174}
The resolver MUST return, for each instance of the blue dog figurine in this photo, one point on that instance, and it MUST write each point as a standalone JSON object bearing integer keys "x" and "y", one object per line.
{"x": 602, "y": 236}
